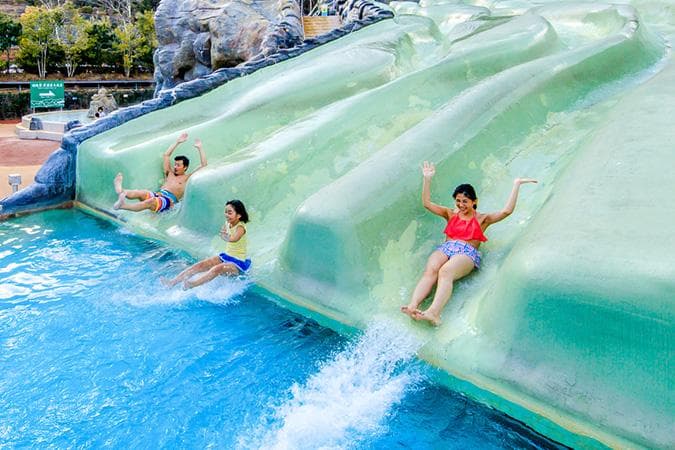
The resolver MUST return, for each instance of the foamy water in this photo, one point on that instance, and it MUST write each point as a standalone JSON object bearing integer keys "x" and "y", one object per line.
{"x": 221, "y": 291}
{"x": 349, "y": 398}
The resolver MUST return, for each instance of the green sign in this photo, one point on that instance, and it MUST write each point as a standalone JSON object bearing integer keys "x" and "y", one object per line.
{"x": 46, "y": 94}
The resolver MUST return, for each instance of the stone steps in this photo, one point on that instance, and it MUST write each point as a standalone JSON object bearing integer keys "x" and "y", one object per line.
{"x": 318, "y": 25}
{"x": 25, "y": 133}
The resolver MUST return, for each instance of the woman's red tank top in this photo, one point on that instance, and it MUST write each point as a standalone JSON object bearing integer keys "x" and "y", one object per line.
{"x": 464, "y": 230}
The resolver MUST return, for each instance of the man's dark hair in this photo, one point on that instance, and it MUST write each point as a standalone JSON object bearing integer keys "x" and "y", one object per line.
{"x": 186, "y": 162}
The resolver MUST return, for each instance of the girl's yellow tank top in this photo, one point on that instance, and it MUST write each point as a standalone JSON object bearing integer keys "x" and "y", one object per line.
{"x": 237, "y": 249}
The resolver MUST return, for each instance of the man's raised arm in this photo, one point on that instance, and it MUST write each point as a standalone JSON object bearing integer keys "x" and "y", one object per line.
{"x": 167, "y": 154}
{"x": 202, "y": 156}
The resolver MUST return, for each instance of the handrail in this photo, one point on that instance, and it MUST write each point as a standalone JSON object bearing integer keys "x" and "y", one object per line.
{"x": 85, "y": 83}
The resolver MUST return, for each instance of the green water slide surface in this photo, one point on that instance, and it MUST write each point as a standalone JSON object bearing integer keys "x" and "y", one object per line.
{"x": 569, "y": 324}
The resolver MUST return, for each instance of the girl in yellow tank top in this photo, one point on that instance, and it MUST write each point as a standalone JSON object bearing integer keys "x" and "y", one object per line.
{"x": 232, "y": 261}
{"x": 235, "y": 248}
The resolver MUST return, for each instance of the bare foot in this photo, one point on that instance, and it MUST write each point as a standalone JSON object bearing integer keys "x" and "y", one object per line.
{"x": 117, "y": 182}
{"x": 166, "y": 282}
{"x": 407, "y": 310}
{"x": 427, "y": 316}
{"x": 187, "y": 284}
{"x": 120, "y": 200}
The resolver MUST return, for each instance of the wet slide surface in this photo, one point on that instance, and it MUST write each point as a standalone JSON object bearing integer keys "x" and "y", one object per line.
{"x": 568, "y": 325}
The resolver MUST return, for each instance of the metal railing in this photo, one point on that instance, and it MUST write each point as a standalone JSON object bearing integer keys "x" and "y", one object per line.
{"x": 20, "y": 85}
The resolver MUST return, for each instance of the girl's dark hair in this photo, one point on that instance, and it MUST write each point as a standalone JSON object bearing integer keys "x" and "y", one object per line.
{"x": 239, "y": 208}
{"x": 467, "y": 190}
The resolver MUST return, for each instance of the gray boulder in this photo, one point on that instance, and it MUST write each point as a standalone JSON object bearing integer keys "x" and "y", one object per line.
{"x": 197, "y": 37}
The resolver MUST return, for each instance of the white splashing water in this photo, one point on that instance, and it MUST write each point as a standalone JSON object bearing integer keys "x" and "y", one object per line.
{"x": 349, "y": 398}
{"x": 220, "y": 291}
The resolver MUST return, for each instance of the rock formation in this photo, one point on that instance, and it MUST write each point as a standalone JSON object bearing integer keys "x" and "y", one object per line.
{"x": 197, "y": 37}
{"x": 102, "y": 100}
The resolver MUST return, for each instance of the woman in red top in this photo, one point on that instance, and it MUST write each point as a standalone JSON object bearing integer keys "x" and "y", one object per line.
{"x": 459, "y": 255}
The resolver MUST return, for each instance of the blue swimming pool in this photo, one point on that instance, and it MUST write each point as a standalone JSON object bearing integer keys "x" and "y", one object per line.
{"x": 64, "y": 116}
{"x": 94, "y": 353}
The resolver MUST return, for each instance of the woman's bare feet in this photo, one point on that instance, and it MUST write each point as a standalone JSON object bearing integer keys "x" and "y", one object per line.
{"x": 426, "y": 316}
{"x": 407, "y": 310}
{"x": 187, "y": 284}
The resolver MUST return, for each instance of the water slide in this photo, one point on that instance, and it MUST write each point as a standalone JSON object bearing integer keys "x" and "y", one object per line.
{"x": 569, "y": 324}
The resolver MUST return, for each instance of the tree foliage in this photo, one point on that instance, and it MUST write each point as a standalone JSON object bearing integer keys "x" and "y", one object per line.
{"x": 37, "y": 36}
{"x": 100, "y": 51}
{"x": 59, "y": 35}
{"x": 145, "y": 21}
{"x": 120, "y": 10}
{"x": 136, "y": 40}
{"x": 10, "y": 31}
{"x": 50, "y": 4}
{"x": 70, "y": 33}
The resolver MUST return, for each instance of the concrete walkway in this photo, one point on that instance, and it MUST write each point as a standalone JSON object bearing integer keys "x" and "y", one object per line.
{"x": 23, "y": 157}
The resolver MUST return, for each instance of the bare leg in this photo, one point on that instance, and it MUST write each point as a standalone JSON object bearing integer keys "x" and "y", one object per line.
{"x": 429, "y": 277}
{"x": 457, "y": 267}
{"x": 117, "y": 182}
{"x": 201, "y": 266}
{"x": 220, "y": 269}
{"x": 140, "y": 206}
{"x": 138, "y": 194}
{"x": 123, "y": 194}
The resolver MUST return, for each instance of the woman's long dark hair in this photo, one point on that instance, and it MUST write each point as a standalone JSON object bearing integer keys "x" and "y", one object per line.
{"x": 239, "y": 208}
{"x": 467, "y": 190}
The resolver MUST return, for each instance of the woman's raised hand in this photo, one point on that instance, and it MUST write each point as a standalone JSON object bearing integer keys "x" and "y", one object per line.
{"x": 519, "y": 181}
{"x": 428, "y": 169}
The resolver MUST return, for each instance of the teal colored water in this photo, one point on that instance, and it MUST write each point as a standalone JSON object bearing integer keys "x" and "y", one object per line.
{"x": 94, "y": 353}
{"x": 65, "y": 116}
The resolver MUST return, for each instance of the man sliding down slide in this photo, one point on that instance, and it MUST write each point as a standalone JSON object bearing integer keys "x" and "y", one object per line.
{"x": 174, "y": 183}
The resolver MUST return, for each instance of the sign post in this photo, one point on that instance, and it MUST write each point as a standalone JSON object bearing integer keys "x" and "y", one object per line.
{"x": 47, "y": 94}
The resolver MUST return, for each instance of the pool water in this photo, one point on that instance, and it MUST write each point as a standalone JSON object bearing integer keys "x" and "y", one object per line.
{"x": 65, "y": 116}
{"x": 95, "y": 353}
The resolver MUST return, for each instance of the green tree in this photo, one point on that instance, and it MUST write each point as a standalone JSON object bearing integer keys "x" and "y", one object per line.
{"x": 136, "y": 41}
{"x": 100, "y": 49}
{"x": 50, "y": 4}
{"x": 37, "y": 37}
{"x": 10, "y": 31}
{"x": 119, "y": 10}
{"x": 127, "y": 44}
{"x": 70, "y": 33}
{"x": 148, "y": 5}
{"x": 145, "y": 22}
